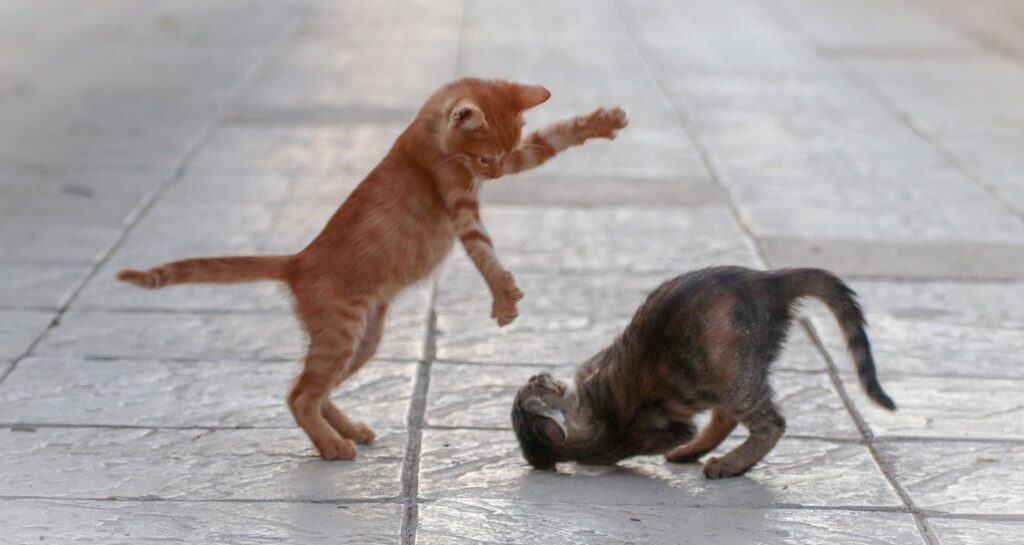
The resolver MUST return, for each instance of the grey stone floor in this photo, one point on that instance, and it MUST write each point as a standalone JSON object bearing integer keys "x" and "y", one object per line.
{"x": 882, "y": 139}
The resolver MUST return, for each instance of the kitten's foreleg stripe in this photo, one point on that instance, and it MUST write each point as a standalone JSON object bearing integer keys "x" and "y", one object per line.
{"x": 475, "y": 235}
{"x": 470, "y": 203}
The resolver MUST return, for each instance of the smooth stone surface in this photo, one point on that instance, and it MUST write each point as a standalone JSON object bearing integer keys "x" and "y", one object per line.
{"x": 961, "y": 477}
{"x": 975, "y": 260}
{"x": 131, "y": 464}
{"x": 945, "y": 328}
{"x": 625, "y": 240}
{"x": 111, "y": 334}
{"x": 19, "y": 329}
{"x": 488, "y": 464}
{"x": 37, "y": 286}
{"x": 149, "y": 522}
{"x": 476, "y": 396}
{"x": 540, "y": 190}
{"x": 478, "y": 521}
{"x": 976, "y": 532}
{"x": 183, "y": 393}
{"x": 947, "y": 407}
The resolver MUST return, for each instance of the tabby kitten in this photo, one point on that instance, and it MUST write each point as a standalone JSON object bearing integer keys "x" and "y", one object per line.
{"x": 392, "y": 231}
{"x": 703, "y": 340}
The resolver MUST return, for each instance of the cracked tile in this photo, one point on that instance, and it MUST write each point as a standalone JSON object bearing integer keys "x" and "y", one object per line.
{"x": 479, "y": 521}
{"x": 135, "y": 522}
{"x": 126, "y": 464}
{"x": 205, "y": 393}
{"x": 487, "y": 464}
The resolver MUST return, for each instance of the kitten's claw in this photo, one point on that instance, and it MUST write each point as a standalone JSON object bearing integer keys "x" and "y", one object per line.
{"x": 602, "y": 123}
{"x": 363, "y": 434}
{"x": 720, "y": 468}
{"x": 335, "y": 448}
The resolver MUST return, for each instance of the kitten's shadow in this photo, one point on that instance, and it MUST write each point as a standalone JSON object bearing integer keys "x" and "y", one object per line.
{"x": 644, "y": 480}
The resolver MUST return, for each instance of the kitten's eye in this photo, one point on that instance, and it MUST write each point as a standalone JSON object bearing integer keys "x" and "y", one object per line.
{"x": 485, "y": 159}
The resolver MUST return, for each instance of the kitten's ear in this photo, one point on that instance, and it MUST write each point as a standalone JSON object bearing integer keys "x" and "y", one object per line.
{"x": 532, "y": 95}
{"x": 466, "y": 116}
{"x": 552, "y": 430}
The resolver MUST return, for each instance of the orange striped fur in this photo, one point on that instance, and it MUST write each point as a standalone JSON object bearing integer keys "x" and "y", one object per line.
{"x": 392, "y": 231}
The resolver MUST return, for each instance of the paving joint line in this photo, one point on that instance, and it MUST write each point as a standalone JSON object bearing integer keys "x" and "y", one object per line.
{"x": 415, "y": 423}
{"x": 889, "y": 106}
{"x": 149, "y": 199}
{"x": 869, "y": 437}
{"x": 654, "y": 67}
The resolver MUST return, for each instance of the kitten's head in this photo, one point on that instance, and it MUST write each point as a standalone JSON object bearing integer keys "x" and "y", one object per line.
{"x": 483, "y": 121}
{"x": 539, "y": 420}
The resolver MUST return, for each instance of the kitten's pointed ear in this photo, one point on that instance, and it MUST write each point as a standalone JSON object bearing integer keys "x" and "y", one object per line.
{"x": 552, "y": 430}
{"x": 532, "y": 95}
{"x": 466, "y": 116}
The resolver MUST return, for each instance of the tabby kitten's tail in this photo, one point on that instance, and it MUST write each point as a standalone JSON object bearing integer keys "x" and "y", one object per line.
{"x": 212, "y": 270}
{"x": 841, "y": 300}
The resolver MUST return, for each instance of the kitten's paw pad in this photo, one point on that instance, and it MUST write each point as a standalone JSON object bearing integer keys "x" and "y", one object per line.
{"x": 362, "y": 434}
{"x": 336, "y": 448}
{"x": 602, "y": 123}
{"x": 721, "y": 468}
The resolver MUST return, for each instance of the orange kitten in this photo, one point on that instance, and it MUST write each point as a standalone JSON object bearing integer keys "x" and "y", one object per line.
{"x": 392, "y": 231}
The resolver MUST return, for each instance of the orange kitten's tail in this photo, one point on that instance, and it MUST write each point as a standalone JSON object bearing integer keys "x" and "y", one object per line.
{"x": 213, "y": 270}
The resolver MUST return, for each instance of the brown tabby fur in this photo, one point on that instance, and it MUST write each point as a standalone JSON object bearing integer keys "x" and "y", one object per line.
{"x": 392, "y": 231}
{"x": 702, "y": 341}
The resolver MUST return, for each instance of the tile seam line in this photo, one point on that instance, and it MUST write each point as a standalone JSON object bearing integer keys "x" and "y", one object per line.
{"x": 861, "y": 83}
{"x": 657, "y": 72}
{"x": 147, "y": 202}
{"x": 924, "y": 529}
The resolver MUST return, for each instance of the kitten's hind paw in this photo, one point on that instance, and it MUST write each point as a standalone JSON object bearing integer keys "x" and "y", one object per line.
{"x": 684, "y": 455}
{"x": 362, "y": 434}
{"x": 720, "y": 468}
{"x": 335, "y": 448}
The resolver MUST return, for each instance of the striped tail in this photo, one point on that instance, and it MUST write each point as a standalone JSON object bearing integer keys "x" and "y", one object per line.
{"x": 841, "y": 301}
{"x": 210, "y": 270}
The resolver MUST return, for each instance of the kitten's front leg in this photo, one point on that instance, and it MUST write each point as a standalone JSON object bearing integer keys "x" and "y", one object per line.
{"x": 539, "y": 146}
{"x": 465, "y": 213}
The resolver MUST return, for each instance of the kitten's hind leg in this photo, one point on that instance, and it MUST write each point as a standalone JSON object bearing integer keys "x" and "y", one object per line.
{"x": 766, "y": 426}
{"x": 721, "y": 425}
{"x": 359, "y": 432}
{"x": 333, "y": 332}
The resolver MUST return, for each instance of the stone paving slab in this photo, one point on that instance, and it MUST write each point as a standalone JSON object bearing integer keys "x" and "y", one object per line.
{"x": 471, "y": 396}
{"x": 958, "y": 477}
{"x": 132, "y": 464}
{"x": 467, "y": 520}
{"x": 37, "y": 287}
{"x": 945, "y": 407}
{"x": 936, "y": 328}
{"x": 148, "y": 522}
{"x": 975, "y": 532}
{"x": 189, "y": 394}
{"x": 118, "y": 334}
{"x": 487, "y": 464}
{"x": 18, "y": 329}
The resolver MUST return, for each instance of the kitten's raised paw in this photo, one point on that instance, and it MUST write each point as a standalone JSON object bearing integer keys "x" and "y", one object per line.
{"x": 602, "y": 123}
{"x": 362, "y": 434}
{"x": 720, "y": 468}
{"x": 335, "y": 448}
{"x": 506, "y": 295}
